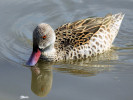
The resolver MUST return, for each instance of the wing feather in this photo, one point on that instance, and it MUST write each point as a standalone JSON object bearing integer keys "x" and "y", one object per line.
{"x": 79, "y": 32}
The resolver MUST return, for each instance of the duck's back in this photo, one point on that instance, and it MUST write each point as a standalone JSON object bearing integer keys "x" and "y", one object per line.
{"x": 87, "y": 37}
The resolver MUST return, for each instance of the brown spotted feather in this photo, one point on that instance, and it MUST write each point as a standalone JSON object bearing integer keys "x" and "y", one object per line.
{"x": 77, "y": 33}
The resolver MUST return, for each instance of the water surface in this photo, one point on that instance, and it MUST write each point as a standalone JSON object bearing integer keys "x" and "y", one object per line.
{"x": 105, "y": 77}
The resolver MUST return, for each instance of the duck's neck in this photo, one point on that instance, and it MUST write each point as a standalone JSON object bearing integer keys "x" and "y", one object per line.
{"x": 49, "y": 53}
{"x": 49, "y": 49}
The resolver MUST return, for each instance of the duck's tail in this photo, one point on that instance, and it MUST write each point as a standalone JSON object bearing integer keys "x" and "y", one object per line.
{"x": 118, "y": 17}
{"x": 115, "y": 26}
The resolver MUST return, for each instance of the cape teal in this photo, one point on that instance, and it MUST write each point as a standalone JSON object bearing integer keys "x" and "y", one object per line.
{"x": 77, "y": 40}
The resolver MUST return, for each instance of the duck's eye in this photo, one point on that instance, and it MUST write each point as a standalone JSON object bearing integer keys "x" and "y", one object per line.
{"x": 44, "y": 37}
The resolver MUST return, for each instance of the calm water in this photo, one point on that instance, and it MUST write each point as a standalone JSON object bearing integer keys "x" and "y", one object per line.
{"x": 108, "y": 76}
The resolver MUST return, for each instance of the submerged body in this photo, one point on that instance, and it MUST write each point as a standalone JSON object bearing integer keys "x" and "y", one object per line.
{"x": 77, "y": 40}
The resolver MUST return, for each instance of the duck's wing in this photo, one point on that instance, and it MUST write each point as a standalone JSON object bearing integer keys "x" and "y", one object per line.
{"x": 79, "y": 32}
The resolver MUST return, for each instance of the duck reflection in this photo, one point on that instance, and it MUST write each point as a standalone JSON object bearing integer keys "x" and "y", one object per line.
{"x": 42, "y": 73}
{"x": 42, "y": 77}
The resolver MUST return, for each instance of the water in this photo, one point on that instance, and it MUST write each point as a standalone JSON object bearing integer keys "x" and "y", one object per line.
{"x": 105, "y": 77}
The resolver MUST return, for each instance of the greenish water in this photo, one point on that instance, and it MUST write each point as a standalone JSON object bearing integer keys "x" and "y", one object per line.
{"x": 105, "y": 77}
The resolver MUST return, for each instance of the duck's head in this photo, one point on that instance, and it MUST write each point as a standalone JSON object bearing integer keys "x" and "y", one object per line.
{"x": 43, "y": 40}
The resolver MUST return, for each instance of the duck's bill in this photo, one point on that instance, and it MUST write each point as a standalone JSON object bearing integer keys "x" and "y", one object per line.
{"x": 34, "y": 58}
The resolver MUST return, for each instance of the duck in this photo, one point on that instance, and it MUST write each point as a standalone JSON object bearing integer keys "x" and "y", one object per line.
{"x": 77, "y": 40}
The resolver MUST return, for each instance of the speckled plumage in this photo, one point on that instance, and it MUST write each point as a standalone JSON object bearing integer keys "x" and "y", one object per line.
{"x": 83, "y": 38}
